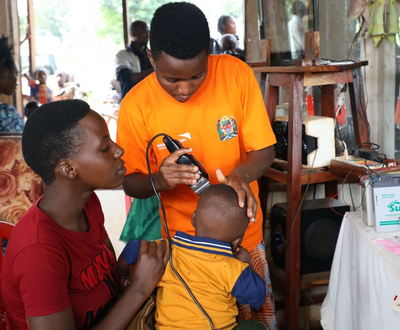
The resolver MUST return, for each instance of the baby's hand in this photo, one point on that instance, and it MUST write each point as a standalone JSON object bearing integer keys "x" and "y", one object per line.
{"x": 242, "y": 254}
{"x": 125, "y": 280}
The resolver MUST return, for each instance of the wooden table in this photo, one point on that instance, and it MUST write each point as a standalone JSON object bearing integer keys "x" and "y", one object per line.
{"x": 296, "y": 78}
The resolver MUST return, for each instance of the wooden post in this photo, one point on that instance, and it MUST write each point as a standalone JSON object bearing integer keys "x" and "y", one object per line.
{"x": 32, "y": 40}
{"x": 359, "y": 108}
{"x": 9, "y": 26}
{"x": 251, "y": 33}
{"x": 126, "y": 21}
{"x": 312, "y": 50}
{"x": 293, "y": 219}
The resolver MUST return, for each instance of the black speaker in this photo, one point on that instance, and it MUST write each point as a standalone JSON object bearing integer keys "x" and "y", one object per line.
{"x": 309, "y": 143}
{"x": 320, "y": 225}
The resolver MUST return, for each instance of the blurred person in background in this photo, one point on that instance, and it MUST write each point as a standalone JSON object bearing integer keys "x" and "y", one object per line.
{"x": 214, "y": 46}
{"x": 11, "y": 120}
{"x": 227, "y": 25}
{"x": 38, "y": 85}
{"x": 297, "y": 28}
{"x": 132, "y": 63}
{"x": 30, "y": 107}
{"x": 65, "y": 90}
{"x": 229, "y": 46}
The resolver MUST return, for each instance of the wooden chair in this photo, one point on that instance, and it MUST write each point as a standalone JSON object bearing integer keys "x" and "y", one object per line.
{"x": 5, "y": 233}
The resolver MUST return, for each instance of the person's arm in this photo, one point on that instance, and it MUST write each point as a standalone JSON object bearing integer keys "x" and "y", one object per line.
{"x": 27, "y": 35}
{"x": 25, "y": 73}
{"x": 250, "y": 288}
{"x": 144, "y": 277}
{"x": 124, "y": 76}
{"x": 242, "y": 254}
{"x": 128, "y": 257}
{"x": 138, "y": 76}
{"x": 255, "y": 165}
{"x": 123, "y": 270}
{"x": 138, "y": 185}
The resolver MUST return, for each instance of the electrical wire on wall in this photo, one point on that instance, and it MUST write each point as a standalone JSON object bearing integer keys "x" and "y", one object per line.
{"x": 167, "y": 231}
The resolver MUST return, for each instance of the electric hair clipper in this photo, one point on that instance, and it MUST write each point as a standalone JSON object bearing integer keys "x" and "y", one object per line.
{"x": 202, "y": 183}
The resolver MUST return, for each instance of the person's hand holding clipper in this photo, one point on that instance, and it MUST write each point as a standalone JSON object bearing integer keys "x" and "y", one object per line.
{"x": 200, "y": 180}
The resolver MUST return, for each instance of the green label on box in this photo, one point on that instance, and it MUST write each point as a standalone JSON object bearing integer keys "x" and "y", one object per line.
{"x": 394, "y": 206}
{"x": 389, "y": 223}
{"x": 388, "y": 195}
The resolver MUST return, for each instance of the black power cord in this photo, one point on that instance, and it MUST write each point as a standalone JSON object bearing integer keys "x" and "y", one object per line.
{"x": 370, "y": 153}
{"x": 167, "y": 231}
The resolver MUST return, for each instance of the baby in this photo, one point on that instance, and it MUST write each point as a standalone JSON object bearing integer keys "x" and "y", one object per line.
{"x": 214, "y": 266}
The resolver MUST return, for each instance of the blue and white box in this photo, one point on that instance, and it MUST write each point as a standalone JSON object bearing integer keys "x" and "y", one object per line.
{"x": 386, "y": 204}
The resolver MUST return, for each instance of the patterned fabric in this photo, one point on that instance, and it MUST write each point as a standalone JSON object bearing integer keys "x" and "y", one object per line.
{"x": 266, "y": 314}
{"x": 20, "y": 187}
{"x": 40, "y": 92}
{"x": 11, "y": 120}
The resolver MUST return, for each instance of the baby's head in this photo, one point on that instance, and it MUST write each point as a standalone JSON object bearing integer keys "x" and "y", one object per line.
{"x": 218, "y": 215}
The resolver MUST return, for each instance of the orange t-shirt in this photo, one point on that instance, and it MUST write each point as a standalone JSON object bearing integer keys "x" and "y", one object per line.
{"x": 223, "y": 121}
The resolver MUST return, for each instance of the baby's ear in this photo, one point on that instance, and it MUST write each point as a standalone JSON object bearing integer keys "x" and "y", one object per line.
{"x": 192, "y": 220}
{"x": 236, "y": 243}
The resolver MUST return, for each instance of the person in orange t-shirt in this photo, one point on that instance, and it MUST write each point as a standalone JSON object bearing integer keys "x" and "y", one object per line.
{"x": 213, "y": 105}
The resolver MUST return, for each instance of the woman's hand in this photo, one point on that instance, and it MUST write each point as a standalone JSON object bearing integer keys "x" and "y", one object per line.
{"x": 170, "y": 173}
{"x": 243, "y": 190}
{"x": 149, "y": 267}
{"x": 125, "y": 281}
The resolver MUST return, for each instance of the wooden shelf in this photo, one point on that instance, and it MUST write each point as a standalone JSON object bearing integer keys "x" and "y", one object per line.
{"x": 307, "y": 281}
{"x": 296, "y": 78}
{"x": 278, "y": 172}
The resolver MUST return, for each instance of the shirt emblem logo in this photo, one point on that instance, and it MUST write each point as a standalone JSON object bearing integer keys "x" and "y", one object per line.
{"x": 227, "y": 128}
{"x": 186, "y": 135}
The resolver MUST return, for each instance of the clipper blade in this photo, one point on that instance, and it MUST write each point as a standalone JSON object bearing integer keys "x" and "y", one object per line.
{"x": 201, "y": 185}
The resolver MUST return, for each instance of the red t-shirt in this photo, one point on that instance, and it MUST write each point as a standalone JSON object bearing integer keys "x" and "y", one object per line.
{"x": 48, "y": 268}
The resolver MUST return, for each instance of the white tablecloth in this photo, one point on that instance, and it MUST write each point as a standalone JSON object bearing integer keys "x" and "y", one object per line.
{"x": 364, "y": 279}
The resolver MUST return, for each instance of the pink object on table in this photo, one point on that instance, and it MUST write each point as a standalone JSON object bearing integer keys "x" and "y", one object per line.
{"x": 391, "y": 246}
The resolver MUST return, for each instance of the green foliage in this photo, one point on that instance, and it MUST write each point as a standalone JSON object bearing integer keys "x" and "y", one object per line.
{"x": 110, "y": 12}
{"x": 51, "y": 18}
{"x": 144, "y": 9}
{"x": 112, "y": 21}
{"x": 23, "y": 22}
